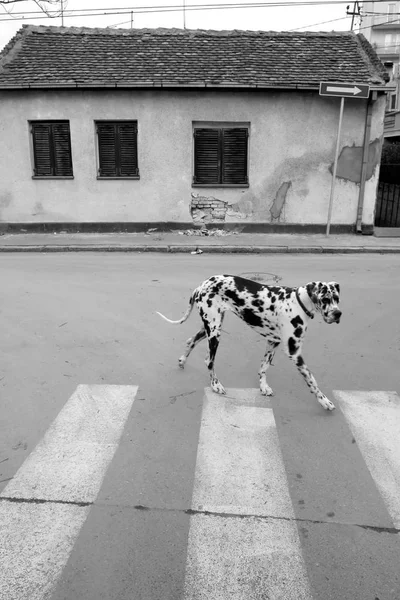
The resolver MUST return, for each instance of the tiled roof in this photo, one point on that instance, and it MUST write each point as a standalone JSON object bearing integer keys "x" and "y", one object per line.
{"x": 68, "y": 57}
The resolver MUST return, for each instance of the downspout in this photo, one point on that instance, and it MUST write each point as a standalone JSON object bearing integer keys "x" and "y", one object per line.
{"x": 364, "y": 166}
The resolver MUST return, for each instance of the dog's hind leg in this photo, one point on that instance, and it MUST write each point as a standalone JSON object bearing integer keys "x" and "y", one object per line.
{"x": 266, "y": 362}
{"x": 190, "y": 344}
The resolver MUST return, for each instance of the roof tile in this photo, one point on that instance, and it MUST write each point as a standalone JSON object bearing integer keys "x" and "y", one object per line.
{"x": 55, "y": 56}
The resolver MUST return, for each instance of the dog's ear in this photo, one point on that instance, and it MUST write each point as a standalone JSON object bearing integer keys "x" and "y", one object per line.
{"x": 312, "y": 288}
{"x": 336, "y": 286}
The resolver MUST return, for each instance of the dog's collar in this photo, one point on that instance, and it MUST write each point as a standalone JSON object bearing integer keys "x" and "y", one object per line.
{"x": 308, "y": 313}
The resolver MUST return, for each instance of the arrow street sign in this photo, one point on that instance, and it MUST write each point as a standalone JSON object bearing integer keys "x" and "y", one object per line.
{"x": 344, "y": 90}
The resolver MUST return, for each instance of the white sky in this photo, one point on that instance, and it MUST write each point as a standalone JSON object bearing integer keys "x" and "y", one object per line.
{"x": 269, "y": 18}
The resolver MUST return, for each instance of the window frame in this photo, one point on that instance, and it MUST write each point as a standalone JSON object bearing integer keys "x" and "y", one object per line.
{"x": 221, "y": 126}
{"x": 116, "y": 123}
{"x": 52, "y": 148}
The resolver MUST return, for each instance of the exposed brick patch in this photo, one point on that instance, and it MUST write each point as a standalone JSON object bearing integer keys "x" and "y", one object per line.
{"x": 207, "y": 209}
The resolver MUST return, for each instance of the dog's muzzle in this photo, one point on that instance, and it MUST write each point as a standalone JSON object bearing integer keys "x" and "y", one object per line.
{"x": 334, "y": 316}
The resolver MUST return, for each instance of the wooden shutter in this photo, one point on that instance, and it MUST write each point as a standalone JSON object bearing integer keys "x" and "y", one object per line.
{"x": 207, "y": 156}
{"x": 234, "y": 155}
{"x": 107, "y": 149}
{"x": 42, "y": 149}
{"x": 127, "y": 145}
{"x": 62, "y": 149}
{"x": 52, "y": 149}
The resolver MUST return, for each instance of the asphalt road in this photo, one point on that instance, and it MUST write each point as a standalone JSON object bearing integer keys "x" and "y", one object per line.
{"x": 68, "y": 320}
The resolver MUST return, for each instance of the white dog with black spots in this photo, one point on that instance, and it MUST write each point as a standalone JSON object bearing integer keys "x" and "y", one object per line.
{"x": 279, "y": 313}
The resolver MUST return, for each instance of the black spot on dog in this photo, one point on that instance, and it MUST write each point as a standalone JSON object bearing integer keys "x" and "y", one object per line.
{"x": 298, "y": 332}
{"x": 297, "y": 321}
{"x": 299, "y": 361}
{"x": 213, "y": 345}
{"x": 251, "y": 318}
{"x": 236, "y": 299}
{"x": 242, "y": 285}
{"x": 217, "y": 287}
{"x": 292, "y": 344}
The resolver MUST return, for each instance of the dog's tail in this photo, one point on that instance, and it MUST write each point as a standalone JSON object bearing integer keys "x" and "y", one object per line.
{"x": 185, "y": 316}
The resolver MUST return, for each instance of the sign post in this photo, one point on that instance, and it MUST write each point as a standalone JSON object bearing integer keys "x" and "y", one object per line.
{"x": 342, "y": 91}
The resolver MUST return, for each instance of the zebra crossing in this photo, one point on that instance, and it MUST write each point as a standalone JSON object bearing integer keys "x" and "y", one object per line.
{"x": 243, "y": 541}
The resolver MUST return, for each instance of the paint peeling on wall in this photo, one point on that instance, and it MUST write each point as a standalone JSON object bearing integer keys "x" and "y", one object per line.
{"x": 279, "y": 201}
{"x": 350, "y": 161}
{"x": 5, "y": 202}
{"x": 207, "y": 209}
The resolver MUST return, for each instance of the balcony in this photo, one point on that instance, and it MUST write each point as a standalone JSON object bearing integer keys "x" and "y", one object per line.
{"x": 385, "y": 22}
{"x": 391, "y": 50}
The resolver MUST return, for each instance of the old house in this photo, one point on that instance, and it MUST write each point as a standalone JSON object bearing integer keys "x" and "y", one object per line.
{"x": 118, "y": 129}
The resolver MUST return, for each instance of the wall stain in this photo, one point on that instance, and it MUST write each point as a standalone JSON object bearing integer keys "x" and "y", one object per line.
{"x": 5, "y": 201}
{"x": 279, "y": 201}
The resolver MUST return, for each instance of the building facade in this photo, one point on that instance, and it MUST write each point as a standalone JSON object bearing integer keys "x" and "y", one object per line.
{"x": 136, "y": 128}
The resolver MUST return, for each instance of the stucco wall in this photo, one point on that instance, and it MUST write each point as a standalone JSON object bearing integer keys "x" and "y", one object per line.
{"x": 291, "y": 150}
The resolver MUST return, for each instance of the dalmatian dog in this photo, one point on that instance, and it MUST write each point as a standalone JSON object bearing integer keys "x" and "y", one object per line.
{"x": 279, "y": 313}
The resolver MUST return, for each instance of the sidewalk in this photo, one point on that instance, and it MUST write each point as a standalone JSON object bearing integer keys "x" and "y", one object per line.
{"x": 181, "y": 242}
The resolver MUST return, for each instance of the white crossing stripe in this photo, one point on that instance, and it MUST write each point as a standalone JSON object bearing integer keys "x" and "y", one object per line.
{"x": 248, "y": 548}
{"x": 374, "y": 418}
{"x": 44, "y": 506}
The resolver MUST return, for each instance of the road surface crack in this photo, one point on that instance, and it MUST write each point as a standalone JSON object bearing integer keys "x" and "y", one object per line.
{"x": 43, "y": 501}
{"x": 208, "y": 513}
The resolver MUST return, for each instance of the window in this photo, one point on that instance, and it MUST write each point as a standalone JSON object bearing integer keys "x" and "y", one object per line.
{"x": 220, "y": 156}
{"x": 393, "y": 102}
{"x": 390, "y": 12}
{"x": 117, "y": 147}
{"x": 51, "y": 149}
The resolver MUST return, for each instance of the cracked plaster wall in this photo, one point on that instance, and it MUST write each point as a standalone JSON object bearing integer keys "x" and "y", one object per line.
{"x": 291, "y": 148}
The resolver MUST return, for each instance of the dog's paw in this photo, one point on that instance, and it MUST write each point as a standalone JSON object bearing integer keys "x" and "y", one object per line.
{"x": 217, "y": 387}
{"x": 326, "y": 403}
{"x": 181, "y": 362}
{"x": 265, "y": 389}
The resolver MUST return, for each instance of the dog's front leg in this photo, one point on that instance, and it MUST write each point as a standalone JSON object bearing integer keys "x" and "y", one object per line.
{"x": 266, "y": 362}
{"x": 216, "y": 385}
{"x": 293, "y": 350}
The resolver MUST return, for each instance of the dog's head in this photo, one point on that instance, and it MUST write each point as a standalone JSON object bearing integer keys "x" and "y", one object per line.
{"x": 325, "y": 297}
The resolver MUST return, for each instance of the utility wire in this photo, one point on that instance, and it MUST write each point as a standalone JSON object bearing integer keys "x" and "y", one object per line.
{"x": 123, "y": 9}
{"x": 320, "y": 23}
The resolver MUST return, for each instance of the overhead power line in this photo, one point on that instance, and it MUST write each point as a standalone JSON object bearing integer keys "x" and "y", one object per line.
{"x": 84, "y": 12}
{"x": 320, "y": 23}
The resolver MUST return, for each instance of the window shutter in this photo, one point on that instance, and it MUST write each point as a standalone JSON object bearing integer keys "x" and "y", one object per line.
{"x": 107, "y": 150}
{"x": 42, "y": 149}
{"x": 234, "y": 153}
{"x": 206, "y": 156}
{"x": 62, "y": 149}
{"x": 127, "y": 136}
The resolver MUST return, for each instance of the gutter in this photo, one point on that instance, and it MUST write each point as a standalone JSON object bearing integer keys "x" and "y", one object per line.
{"x": 364, "y": 166}
{"x": 169, "y": 85}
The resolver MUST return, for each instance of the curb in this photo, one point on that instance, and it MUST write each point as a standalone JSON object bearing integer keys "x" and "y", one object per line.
{"x": 209, "y": 249}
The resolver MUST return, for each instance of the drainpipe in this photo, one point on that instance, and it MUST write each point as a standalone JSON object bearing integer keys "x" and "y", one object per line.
{"x": 364, "y": 167}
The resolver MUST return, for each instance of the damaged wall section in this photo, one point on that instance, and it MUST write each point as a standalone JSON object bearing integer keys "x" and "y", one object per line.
{"x": 350, "y": 161}
{"x": 207, "y": 209}
{"x": 279, "y": 201}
